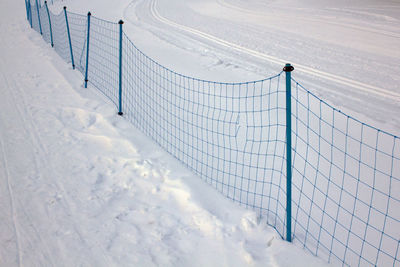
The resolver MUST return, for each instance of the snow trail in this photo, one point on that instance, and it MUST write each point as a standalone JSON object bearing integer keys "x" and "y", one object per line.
{"x": 262, "y": 14}
{"x": 12, "y": 206}
{"x": 280, "y": 62}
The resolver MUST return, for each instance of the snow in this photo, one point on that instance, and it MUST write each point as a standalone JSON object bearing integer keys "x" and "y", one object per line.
{"x": 82, "y": 186}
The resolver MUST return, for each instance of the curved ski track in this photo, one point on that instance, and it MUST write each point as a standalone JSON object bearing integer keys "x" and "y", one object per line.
{"x": 366, "y": 88}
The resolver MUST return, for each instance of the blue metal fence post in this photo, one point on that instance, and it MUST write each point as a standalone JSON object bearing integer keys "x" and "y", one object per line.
{"x": 288, "y": 69}
{"x": 87, "y": 48}
{"x": 69, "y": 38}
{"x": 38, "y": 14}
{"x": 30, "y": 13}
{"x": 120, "y": 67}
{"x": 26, "y": 7}
{"x": 51, "y": 32}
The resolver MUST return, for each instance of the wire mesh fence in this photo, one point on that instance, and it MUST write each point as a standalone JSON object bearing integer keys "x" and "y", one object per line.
{"x": 345, "y": 174}
{"x": 215, "y": 129}
{"x": 78, "y": 29}
{"x": 34, "y": 16}
{"x": 346, "y": 186}
{"x": 60, "y": 37}
{"x": 44, "y": 20}
{"x": 103, "y": 69}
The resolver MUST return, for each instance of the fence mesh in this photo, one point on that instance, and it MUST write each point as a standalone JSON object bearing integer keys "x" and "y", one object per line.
{"x": 44, "y": 20}
{"x": 103, "y": 70}
{"x": 230, "y": 134}
{"x": 60, "y": 36}
{"x": 346, "y": 185}
{"x": 35, "y": 18}
{"x": 78, "y": 30}
{"x": 346, "y": 174}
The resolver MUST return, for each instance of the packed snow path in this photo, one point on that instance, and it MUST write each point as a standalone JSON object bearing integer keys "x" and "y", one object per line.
{"x": 79, "y": 186}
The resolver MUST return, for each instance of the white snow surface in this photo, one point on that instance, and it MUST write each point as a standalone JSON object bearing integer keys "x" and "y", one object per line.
{"x": 80, "y": 186}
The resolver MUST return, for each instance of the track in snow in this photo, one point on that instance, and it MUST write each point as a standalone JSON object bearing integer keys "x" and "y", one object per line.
{"x": 260, "y": 14}
{"x": 281, "y": 62}
{"x": 11, "y": 198}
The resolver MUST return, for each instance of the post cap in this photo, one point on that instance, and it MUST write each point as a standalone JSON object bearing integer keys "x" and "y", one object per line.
{"x": 65, "y": 7}
{"x": 89, "y": 14}
{"x": 121, "y": 22}
{"x": 288, "y": 68}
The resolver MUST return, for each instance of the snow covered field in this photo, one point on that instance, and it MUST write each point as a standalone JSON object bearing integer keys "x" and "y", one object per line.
{"x": 81, "y": 186}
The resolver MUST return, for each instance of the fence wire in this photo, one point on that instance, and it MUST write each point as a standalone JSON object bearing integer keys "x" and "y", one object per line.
{"x": 78, "y": 30}
{"x": 34, "y": 16}
{"x": 60, "y": 36}
{"x": 225, "y": 132}
{"x": 44, "y": 20}
{"x": 346, "y": 185}
{"x": 346, "y": 174}
{"x": 104, "y": 57}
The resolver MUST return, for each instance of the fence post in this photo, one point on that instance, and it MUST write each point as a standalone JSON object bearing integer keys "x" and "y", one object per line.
{"x": 38, "y": 14}
{"x": 30, "y": 13}
{"x": 288, "y": 69}
{"x": 87, "y": 48}
{"x": 26, "y": 6}
{"x": 120, "y": 67}
{"x": 48, "y": 15}
{"x": 69, "y": 37}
